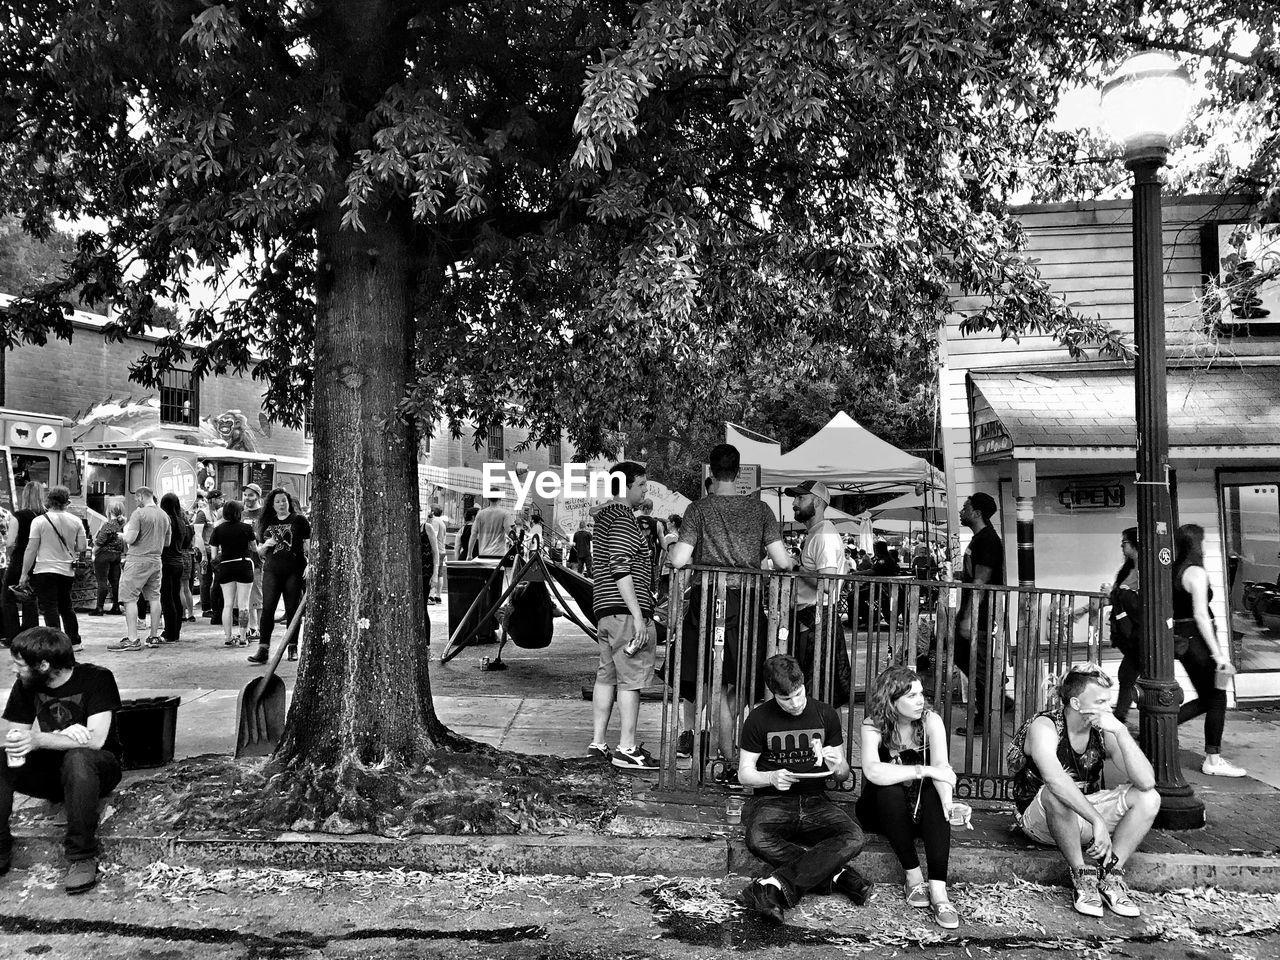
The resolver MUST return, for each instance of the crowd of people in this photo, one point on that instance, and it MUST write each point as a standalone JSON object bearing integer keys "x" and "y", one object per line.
{"x": 247, "y": 555}
{"x": 238, "y": 558}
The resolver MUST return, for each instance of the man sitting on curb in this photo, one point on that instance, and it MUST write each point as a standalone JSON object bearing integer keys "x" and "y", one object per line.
{"x": 789, "y": 822}
{"x": 1057, "y": 759}
{"x": 72, "y": 752}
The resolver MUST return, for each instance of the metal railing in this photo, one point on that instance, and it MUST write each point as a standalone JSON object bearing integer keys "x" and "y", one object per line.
{"x": 986, "y": 655}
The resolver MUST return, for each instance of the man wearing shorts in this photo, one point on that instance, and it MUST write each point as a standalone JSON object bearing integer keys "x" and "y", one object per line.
{"x": 725, "y": 529}
{"x": 1057, "y": 760}
{"x": 623, "y": 604}
{"x": 145, "y": 535}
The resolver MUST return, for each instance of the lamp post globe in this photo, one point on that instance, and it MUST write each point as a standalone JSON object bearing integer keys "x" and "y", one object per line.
{"x": 1145, "y": 105}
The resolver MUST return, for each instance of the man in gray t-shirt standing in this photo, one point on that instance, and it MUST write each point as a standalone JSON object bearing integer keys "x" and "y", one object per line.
{"x": 725, "y": 529}
{"x": 489, "y": 531}
{"x": 145, "y": 535}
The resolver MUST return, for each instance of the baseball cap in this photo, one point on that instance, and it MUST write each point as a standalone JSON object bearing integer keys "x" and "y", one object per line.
{"x": 254, "y": 487}
{"x": 815, "y": 487}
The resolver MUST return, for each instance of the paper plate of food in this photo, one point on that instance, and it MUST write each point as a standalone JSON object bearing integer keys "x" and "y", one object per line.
{"x": 811, "y": 774}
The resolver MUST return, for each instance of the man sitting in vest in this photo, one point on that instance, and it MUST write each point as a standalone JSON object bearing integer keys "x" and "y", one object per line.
{"x": 61, "y": 744}
{"x": 1057, "y": 760}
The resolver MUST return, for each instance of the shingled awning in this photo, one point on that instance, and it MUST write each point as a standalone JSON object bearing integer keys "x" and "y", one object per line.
{"x": 1035, "y": 412}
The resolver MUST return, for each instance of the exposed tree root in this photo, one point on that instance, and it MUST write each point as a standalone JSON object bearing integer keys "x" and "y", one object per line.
{"x": 477, "y": 790}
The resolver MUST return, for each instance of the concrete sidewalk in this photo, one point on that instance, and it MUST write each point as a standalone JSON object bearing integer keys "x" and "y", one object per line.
{"x": 536, "y": 707}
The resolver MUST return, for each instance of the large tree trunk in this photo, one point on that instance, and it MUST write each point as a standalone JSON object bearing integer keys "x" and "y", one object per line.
{"x": 362, "y": 690}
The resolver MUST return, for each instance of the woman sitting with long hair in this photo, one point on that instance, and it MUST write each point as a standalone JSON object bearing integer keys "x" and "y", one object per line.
{"x": 907, "y": 786}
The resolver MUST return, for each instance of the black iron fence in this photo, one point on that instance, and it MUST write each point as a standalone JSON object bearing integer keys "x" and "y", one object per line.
{"x": 988, "y": 658}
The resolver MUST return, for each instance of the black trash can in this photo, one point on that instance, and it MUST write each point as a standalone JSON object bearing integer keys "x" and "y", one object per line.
{"x": 148, "y": 728}
{"x": 467, "y": 580}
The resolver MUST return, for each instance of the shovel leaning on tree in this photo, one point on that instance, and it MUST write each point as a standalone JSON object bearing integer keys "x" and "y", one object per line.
{"x": 260, "y": 719}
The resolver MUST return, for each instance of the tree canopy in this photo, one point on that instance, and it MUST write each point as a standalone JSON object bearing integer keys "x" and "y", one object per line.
{"x": 567, "y": 214}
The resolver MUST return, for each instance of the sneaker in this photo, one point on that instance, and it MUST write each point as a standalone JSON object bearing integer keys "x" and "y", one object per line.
{"x": 153, "y": 642}
{"x": 1216, "y": 765}
{"x": 241, "y": 642}
{"x": 1088, "y": 900}
{"x": 1115, "y": 894}
{"x": 684, "y": 745}
{"x": 125, "y": 644}
{"x": 231, "y": 642}
{"x": 945, "y": 916}
{"x": 854, "y": 886}
{"x": 634, "y": 759}
{"x": 599, "y": 751}
{"x": 918, "y": 896}
{"x": 164, "y": 639}
{"x": 765, "y": 900}
{"x": 81, "y": 876}
{"x": 254, "y": 635}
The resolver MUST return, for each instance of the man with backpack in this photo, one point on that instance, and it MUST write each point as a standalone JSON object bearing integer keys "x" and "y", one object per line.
{"x": 1056, "y": 760}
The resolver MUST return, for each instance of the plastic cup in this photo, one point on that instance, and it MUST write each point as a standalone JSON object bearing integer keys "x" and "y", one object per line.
{"x": 14, "y": 761}
{"x": 961, "y": 815}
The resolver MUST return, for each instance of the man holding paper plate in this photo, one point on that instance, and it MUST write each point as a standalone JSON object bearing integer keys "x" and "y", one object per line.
{"x": 790, "y": 747}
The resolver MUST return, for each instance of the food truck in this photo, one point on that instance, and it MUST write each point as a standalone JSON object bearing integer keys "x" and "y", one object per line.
{"x": 113, "y": 469}
{"x": 35, "y": 446}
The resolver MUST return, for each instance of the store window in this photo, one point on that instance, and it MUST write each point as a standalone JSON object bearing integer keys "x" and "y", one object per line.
{"x": 1251, "y": 524}
{"x": 29, "y": 468}
{"x": 1241, "y": 268}
{"x": 180, "y": 398}
{"x": 497, "y": 449}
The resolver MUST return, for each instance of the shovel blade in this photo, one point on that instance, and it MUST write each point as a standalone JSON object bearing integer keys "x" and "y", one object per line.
{"x": 261, "y": 717}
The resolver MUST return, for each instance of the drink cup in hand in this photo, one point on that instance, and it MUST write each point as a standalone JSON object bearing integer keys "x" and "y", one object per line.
{"x": 14, "y": 761}
{"x": 1222, "y": 676}
{"x": 637, "y": 642}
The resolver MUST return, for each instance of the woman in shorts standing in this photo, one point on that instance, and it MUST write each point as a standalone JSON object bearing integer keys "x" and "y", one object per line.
{"x": 234, "y": 544}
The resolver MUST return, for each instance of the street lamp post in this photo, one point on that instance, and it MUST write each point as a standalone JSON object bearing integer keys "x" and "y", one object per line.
{"x": 1145, "y": 105}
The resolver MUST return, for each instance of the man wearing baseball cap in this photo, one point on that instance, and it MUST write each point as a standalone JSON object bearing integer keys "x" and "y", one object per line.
{"x": 822, "y": 555}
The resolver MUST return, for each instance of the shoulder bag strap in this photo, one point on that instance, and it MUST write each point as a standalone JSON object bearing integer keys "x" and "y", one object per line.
{"x": 61, "y": 540}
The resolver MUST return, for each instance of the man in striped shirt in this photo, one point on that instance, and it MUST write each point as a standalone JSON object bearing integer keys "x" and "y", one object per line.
{"x": 623, "y": 603}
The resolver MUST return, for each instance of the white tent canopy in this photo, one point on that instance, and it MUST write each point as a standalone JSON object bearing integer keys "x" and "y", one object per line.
{"x": 931, "y": 506}
{"x": 751, "y": 449}
{"x": 846, "y": 454}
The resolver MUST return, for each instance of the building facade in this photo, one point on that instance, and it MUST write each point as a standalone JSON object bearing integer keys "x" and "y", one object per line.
{"x": 1054, "y": 440}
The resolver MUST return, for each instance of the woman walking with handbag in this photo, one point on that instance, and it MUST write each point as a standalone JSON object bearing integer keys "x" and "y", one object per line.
{"x": 1196, "y": 645}
{"x": 57, "y": 540}
{"x": 907, "y": 787}
{"x": 20, "y": 614}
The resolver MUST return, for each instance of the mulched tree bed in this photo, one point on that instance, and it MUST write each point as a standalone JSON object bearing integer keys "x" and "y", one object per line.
{"x": 483, "y": 791}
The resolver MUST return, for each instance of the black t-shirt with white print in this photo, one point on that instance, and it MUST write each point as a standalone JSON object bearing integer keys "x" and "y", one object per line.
{"x": 785, "y": 742}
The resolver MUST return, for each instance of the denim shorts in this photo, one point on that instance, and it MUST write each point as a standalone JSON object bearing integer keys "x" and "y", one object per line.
{"x": 1111, "y": 805}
